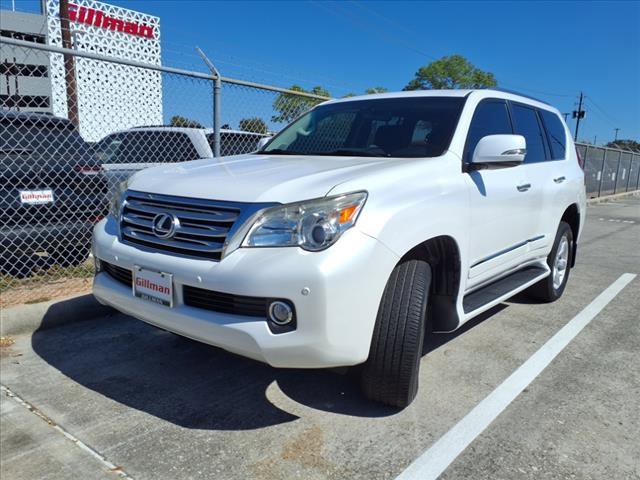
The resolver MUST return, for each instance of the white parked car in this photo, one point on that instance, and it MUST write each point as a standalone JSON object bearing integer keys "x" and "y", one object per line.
{"x": 125, "y": 152}
{"x": 356, "y": 226}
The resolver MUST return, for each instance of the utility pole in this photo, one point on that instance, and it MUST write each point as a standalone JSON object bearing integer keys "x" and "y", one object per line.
{"x": 595, "y": 139}
{"x": 69, "y": 65}
{"x": 616, "y": 139}
{"x": 578, "y": 114}
{"x": 566, "y": 115}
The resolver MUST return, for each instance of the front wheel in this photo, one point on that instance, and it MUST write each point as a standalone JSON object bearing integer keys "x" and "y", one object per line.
{"x": 559, "y": 260}
{"x": 390, "y": 374}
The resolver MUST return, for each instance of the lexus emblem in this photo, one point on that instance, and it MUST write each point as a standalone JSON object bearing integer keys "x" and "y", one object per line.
{"x": 165, "y": 225}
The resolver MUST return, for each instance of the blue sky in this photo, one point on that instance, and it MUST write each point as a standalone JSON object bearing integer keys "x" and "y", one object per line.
{"x": 551, "y": 50}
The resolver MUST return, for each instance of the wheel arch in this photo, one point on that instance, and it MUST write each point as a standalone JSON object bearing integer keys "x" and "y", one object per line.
{"x": 442, "y": 253}
{"x": 571, "y": 216}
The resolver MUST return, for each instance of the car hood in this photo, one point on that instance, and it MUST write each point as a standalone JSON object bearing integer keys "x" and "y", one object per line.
{"x": 253, "y": 177}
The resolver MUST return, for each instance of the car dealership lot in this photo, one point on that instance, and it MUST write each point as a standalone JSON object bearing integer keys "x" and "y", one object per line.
{"x": 149, "y": 404}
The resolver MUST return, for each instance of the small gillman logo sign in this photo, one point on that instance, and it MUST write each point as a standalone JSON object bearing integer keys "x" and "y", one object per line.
{"x": 96, "y": 18}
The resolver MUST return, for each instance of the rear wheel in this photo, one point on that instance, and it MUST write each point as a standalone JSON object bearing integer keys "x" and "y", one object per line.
{"x": 390, "y": 374}
{"x": 559, "y": 260}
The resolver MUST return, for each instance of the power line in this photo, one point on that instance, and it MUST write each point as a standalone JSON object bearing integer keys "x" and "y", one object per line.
{"x": 396, "y": 24}
{"x": 334, "y": 10}
{"x": 592, "y": 101}
{"x": 390, "y": 21}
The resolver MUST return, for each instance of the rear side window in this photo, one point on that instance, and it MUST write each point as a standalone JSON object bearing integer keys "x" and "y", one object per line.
{"x": 526, "y": 123}
{"x": 490, "y": 118}
{"x": 556, "y": 134}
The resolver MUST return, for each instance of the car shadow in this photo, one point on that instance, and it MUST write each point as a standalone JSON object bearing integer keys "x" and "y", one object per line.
{"x": 191, "y": 384}
{"x": 433, "y": 341}
{"x": 523, "y": 299}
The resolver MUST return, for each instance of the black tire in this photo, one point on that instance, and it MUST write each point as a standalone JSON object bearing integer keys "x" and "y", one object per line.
{"x": 545, "y": 290}
{"x": 390, "y": 374}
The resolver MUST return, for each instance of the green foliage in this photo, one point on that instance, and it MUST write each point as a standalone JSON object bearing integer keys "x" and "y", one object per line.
{"x": 178, "y": 121}
{"x": 626, "y": 144}
{"x": 372, "y": 90}
{"x": 255, "y": 124}
{"x": 291, "y": 106}
{"x": 368, "y": 91}
{"x": 451, "y": 72}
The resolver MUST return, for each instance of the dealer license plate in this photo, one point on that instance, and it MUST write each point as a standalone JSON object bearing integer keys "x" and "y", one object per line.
{"x": 156, "y": 287}
{"x": 36, "y": 197}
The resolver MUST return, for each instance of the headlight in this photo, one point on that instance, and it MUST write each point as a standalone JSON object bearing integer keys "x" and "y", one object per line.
{"x": 313, "y": 225}
{"x": 117, "y": 199}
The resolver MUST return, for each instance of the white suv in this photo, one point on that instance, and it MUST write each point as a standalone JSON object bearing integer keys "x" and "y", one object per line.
{"x": 360, "y": 223}
{"x": 126, "y": 152}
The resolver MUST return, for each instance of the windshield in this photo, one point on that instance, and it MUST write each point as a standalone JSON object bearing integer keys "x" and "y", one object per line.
{"x": 408, "y": 127}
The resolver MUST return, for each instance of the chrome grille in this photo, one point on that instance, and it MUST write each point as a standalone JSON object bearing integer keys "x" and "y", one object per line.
{"x": 202, "y": 225}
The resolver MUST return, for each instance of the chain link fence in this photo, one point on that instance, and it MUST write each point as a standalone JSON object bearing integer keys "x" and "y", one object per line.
{"x": 61, "y": 157}
{"x": 64, "y": 149}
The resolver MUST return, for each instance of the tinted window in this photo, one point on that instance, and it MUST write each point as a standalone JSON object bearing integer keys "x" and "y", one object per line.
{"x": 48, "y": 141}
{"x": 555, "y": 133}
{"x": 526, "y": 124}
{"x": 390, "y": 127}
{"x": 490, "y": 118}
{"x": 146, "y": 147}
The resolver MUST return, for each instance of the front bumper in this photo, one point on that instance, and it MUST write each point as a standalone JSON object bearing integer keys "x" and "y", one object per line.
{"x": 335, "y": 319}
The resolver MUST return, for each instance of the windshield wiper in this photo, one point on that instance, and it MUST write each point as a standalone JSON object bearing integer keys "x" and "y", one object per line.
{"x": 349, "y": 152}
{"x": 280, "y": 151}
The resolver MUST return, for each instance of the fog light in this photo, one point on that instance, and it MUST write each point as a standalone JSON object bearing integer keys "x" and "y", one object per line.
{"x": 280, "y": 313}
{"x": 97, "y": 264}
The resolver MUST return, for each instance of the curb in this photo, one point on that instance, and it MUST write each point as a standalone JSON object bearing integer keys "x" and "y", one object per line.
{"x": 26, "y": 319}
{"x": 595, "y": 200}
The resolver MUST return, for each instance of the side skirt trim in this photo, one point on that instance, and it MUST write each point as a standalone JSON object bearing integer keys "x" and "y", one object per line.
{"x": 492, "y": 294}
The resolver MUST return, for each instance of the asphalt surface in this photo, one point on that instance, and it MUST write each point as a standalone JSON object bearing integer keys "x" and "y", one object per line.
{"x": 155, "y": 405}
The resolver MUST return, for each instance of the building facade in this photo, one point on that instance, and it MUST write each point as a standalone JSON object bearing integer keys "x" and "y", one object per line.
{"x": 108, "y": 96}
{"x": 25, "y": 81}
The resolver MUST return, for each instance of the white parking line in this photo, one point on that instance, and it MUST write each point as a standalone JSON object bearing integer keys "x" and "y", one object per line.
{"x": 443, "y": 452}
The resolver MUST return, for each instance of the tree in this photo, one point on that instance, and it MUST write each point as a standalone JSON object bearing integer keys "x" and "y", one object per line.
{"x": 178, "y": 121}
{"x": 372, "y": 90}
{"x": 450, "y": 72}
{"x": 627, "y": 144}
{"x": 291, "y": 106}
{"x": 255, "y": 124}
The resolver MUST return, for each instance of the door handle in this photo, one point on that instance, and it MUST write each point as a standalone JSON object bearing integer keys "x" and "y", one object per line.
{"x": 560, "y": 179}
{"x": 524, "y": 187}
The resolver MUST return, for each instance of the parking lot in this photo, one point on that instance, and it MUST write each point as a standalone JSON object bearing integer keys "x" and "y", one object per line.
{"x": 113, "y": 397}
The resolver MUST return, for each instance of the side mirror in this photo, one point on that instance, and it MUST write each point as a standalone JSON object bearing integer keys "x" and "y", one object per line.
{"x": 500, "y": 150}
{"x": 262, "y": 142}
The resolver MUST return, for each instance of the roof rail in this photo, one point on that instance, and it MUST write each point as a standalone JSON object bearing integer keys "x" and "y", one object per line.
{"x": 514, "y": 92}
